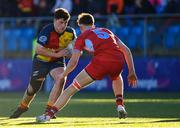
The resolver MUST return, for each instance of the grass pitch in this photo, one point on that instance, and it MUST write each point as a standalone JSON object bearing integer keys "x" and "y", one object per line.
{"x": 97, "y": 110}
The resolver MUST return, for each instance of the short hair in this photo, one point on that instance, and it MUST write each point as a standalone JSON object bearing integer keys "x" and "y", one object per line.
{"x": 61, "y": 13}
{"x": 85, "y": 19}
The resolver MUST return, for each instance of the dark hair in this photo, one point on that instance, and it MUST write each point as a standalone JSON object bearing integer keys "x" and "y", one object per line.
{"x": 61, "y": 13}
{"x": 85, "y": 19}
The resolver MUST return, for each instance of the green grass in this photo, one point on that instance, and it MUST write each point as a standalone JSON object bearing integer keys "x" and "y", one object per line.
{"x": 89, "y": 110}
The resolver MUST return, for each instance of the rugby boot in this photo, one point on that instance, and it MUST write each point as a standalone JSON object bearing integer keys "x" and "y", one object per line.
{"x": 43, "y": 118}
{"x": 121, "y": 112}
{"x": 19, "y": 111}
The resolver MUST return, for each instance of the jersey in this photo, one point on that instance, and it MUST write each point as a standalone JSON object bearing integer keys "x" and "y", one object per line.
{"x": 52, "y": 40}
{"x": 101, "y": 42}
{"x": 108, "y": 59}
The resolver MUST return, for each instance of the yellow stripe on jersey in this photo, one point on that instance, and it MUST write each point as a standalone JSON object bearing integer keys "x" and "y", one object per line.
{"x": 65, "y": 39}
{"x": 44, "y": 58}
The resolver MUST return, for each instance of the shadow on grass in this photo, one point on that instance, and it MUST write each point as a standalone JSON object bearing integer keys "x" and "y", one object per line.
{"x": 166, "y": 121}
{"x": 92, "y": 122}
{"x": 157, "y": 121}
{"x": 89, "y": 122}
{"x": 30, "y": 123}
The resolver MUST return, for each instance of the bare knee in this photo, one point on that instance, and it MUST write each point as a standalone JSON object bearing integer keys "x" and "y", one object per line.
{"x": 34, "y": 86}
{"x": 31, "y": 90}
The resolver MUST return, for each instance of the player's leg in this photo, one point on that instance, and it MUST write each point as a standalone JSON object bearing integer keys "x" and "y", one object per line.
{"x": 57, "y": 88}
{"x": 28, "y": 97}
{"x": 118, "y": 88}
{"x": 82, "y": 79}
{"x": 38, "y": 75}
{"x": 24, "y": 104}
{"x": 58, "y": 85}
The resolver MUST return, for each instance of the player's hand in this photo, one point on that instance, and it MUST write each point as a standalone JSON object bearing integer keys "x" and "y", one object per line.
{"x": 132, "y": 79}
{"x": 69, "y": 53}
{"x": 62, "y": 53}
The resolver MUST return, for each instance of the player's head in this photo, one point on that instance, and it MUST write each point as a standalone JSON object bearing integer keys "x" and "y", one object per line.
{"x": 61, "y": 18}
{"x": 85, "y": 20}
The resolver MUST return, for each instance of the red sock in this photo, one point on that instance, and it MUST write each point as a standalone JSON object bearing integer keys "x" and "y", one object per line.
{"x": 52, "y": 111}
{"x": 48, "y": 107}
{"x": 119, "y": 100}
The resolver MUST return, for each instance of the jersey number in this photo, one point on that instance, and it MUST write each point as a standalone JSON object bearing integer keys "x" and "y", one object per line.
{"x": 101, "y": 34}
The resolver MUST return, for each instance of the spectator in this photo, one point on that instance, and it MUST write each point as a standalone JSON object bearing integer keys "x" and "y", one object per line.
{"x": 113, "y": 21}
{"x": 113, "y": 9}
{"x": 42, "y": 8}
{"x": 118, "y": 4}
{"x": 25, "y": 7}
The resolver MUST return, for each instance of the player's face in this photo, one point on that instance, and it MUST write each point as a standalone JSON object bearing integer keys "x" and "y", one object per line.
{"x": 60, "y": 25}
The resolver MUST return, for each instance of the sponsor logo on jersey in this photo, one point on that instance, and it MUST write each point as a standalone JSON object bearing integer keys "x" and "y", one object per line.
{"x": 43, "y": 39}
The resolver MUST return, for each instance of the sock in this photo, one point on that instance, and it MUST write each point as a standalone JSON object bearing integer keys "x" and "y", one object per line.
{"x": 23, "y": 105}
{"x": 48, "y": 107}
{"x": 26, "y": 101}
{"x": 119, "y": 100}
{"x": 52, "y": 111}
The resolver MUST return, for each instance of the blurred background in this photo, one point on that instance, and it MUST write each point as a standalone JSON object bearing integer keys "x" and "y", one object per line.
{"x": 150, "y": 28}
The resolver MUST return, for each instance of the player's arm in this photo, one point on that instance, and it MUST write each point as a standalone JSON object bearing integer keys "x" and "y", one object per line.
{"x": 72, "y": 62}
{"x": 127, "y": 54}
{"x": 70, "y": 48}
{"x": 41, "y": 50}
{"x": 78, "y": 47}
{"x": 132, "y": 78}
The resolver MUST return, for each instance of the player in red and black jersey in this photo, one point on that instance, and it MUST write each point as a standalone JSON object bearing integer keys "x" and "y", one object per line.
{"x": 54, "y": 43}
{"x": 110, "y": 54}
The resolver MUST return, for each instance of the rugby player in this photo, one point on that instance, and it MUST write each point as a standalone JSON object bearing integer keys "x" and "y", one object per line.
{"x": 53, "y": 45}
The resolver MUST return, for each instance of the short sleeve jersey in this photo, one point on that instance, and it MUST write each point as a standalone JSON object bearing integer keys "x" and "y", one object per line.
{"x": 101, "y": 42}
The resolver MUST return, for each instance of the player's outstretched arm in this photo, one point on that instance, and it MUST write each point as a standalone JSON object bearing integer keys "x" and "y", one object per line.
{"x": 132, "y": 78}
{"x": 72, "y": 63}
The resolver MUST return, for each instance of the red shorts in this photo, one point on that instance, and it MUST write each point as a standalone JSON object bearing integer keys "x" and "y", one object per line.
{"x": 97, "y": 69}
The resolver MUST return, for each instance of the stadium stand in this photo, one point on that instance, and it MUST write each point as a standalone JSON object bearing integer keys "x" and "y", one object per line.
{"x": 1, "y": 45}
{"x": 171, "y": 37}
{"x": 161, "y": 32}
{"x": 11, "y": 37}
{"x": 122, "y": 33}
{"x": 138, "y": 33}
{"x": 26, "y": 38}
